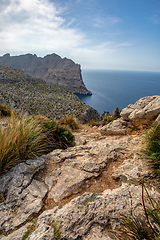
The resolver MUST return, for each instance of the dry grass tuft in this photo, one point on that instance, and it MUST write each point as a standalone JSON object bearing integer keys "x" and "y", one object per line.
{"x": 69, "y": 121}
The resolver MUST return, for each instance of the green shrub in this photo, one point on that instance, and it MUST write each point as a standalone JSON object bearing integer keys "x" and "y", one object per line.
{"x": 110, "y": 119}
{"x": 61, "y": 136}
{"x": 152, "y": 148}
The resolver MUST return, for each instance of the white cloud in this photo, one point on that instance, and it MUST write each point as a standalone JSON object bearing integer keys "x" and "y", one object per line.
{"x": 109, "y": 20}
{"x": 99, "y": 56}
{"x": 35, "y": 25}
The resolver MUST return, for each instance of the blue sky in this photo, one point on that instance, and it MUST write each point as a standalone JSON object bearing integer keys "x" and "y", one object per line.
{"x": 98, "y": 34}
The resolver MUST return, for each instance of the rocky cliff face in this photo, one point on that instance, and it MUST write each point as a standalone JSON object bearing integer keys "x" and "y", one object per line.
{"x": 52, "y": 68}
{"x": 36, "y": 97}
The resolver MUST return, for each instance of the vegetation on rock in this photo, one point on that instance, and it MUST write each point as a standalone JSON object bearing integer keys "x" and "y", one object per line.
{"x": 143, "y": 227}
{"x": 152, "y": 148}
{"x": 4, "y": 111}
{"x": 36, "y": 97}
{"x": 26, "y": 137}
{"x": 69, "y": 121}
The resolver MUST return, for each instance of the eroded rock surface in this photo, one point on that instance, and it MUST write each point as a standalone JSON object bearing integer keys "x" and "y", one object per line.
{"x": 24, "y": 194}
{"x": 62, "y": 174}
{"x": 144, "y": 110}
{"x": 117, "y": 127}
{"x": 90, "y": 210}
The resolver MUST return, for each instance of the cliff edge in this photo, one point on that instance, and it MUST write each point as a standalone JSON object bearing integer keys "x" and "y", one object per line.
{"x": 34, "y": 96}
{"x": 51, "y": 68}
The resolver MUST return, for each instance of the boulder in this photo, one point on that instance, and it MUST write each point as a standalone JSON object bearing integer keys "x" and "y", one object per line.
{"x": 117, "y": 127}
{"x": 143, "y": 111}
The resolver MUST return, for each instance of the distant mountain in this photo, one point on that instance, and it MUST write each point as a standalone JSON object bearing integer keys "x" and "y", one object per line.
{"x": 51, "y": 68}
{"x": 34, "y": 96}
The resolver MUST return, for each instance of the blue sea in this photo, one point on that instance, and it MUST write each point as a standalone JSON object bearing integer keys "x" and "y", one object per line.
{"x": 113, "y": 89}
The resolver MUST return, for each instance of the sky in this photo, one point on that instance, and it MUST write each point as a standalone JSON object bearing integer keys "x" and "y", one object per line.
{"x": 98, "y": 34}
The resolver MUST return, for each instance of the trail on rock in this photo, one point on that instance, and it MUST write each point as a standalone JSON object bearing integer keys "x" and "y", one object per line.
{"x": 82, "y": 188}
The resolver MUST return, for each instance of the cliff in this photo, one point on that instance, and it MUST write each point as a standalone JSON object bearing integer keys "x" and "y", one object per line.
{"x": 51, "y": 68}
{"x": 36, "y": 97}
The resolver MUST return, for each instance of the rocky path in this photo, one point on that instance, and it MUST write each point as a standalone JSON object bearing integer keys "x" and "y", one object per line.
{"x": 82, "y": 189}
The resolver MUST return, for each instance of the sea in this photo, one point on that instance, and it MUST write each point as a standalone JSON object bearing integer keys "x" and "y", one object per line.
{"x": 113, "y": 88}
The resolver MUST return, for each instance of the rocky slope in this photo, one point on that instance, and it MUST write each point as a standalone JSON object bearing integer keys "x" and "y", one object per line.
{"x": 36, "y": 97}
{"x": 52, "y": 68}
{"x": 82, "y": 190}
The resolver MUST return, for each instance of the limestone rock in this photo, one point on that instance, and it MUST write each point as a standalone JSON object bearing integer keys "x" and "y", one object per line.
{"x": 117, "y": 127}
{"x": 132, "y": 170}
{"x": 16, "y": 235}
{"x": 143, "y": 110}
{"x": 43, "y": 232}
{"x": 51, "y": 68}
{"x": 69, "y": 180}
{"x": 22, "y": 205}
{"x": 88, "y": 211}
{"x": 80, "y": 141}
{"x": 97, "y": 233}
{"x": 24, "y": 195}
{"x": 62, "y": 173}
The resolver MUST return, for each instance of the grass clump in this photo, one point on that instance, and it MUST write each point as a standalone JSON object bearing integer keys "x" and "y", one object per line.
{"x": 152, "y": 148}
{"x": 142, "y": 227}
{"x": 69, "y": 121}
{"x": 27, "y": 137}
{"x": 21, "y": 139}
{"x": 57, "y": 232}
{"x": 30, "y": 229}
{"x": 93, "y": 123}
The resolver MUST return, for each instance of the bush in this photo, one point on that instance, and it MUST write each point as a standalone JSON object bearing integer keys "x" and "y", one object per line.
{"x": 4, "y": 111}
{"x": 58, "y": 135}
{"x": 94, "y": 123}
{"x": 152, "y": 148}
{"x": 25, "y": 138}
{"x": 69, "y": 121}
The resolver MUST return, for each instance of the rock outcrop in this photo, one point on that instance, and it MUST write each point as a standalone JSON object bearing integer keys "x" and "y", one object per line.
{"x": 143, "y": 111}
{"x": 51, "y": 68}
{"x": 71, "y": 191}
{"x": 36, "y": 97}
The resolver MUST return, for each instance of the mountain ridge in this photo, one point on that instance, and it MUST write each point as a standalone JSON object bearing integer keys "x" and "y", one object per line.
{"x": 51, "y": 68}
{"x": 36, "y": 97}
